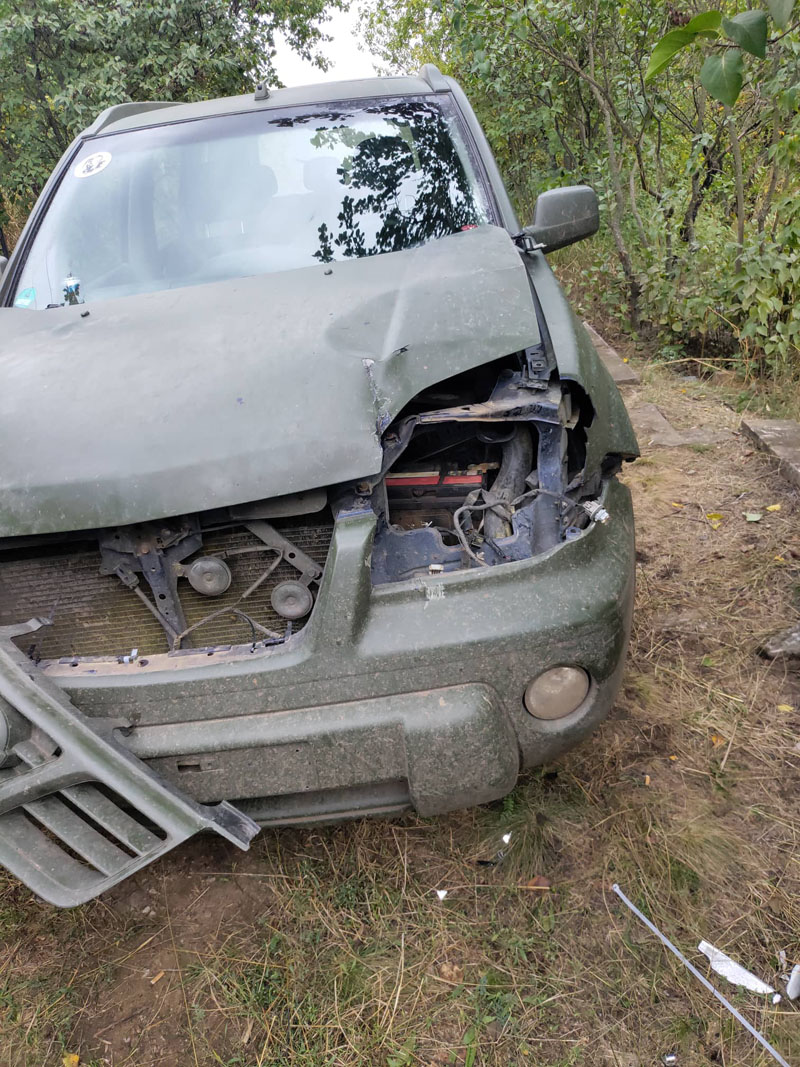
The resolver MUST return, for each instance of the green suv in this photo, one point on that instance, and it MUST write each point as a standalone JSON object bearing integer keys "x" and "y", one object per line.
{"x": 308, "y": 504}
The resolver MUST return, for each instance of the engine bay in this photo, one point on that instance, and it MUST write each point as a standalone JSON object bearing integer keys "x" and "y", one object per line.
{"x": 477, "y": 482}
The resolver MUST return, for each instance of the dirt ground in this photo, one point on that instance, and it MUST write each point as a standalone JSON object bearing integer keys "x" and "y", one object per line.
{"x": 331, "y": 947}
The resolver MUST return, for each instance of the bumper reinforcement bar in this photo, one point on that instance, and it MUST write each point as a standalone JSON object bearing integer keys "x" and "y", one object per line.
{"x": 78, "y": 811}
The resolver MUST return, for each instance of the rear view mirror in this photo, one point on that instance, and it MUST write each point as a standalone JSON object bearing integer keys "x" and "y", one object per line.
{"x": 563, "y": 216}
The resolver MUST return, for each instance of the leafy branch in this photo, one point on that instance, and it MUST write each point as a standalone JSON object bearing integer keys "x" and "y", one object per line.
{"x": 722, "y": 73}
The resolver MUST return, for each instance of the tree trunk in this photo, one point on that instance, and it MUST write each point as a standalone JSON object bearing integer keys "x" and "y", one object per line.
{"x": 686, "y": 232}
{"x": 773, "y": 177}
{"x": 637, "y": 218}
{"x": 616, "y": 212}
{"x": 739, "y": 185}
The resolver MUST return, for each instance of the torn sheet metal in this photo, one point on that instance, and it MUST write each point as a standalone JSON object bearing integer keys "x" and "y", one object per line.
{"x": 732, "y": 971}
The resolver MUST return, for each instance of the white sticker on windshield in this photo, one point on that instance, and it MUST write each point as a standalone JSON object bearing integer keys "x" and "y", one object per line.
{"x": 92, "y": 165}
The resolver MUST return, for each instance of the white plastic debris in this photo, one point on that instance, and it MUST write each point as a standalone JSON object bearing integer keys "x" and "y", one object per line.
{"x": 734, "y": 972}
{"x": 670, "y": 1059}
{"x": 793, "y": 985}
{"x": 441, "y": 893}
{"x": 499, "y": 856}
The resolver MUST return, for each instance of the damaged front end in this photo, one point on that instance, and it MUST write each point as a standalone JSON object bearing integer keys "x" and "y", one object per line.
{"x": 487, "y": 468}
{"x": 79, "y": 811}
{"x": 281, "y": 657}
{"x": 497, "y": 464}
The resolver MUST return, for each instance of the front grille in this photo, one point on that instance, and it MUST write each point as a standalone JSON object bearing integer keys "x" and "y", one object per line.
{"x": 80, "y": 814}
{"x": 96, "y": 615}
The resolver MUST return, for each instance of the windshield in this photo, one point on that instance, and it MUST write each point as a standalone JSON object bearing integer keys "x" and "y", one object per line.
{"x": 247, "y": 194}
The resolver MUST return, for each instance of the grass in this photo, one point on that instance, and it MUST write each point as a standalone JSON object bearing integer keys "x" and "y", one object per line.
{"x": 330, "y": 946}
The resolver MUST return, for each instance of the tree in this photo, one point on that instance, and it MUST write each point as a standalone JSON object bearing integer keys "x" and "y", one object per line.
{"x": 701, "y": 211}
{"x": 64, "y": 61}
{"x": 722, "y": 73}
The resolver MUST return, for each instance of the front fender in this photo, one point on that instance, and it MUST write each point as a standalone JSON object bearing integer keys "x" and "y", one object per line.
{"x": 611, "y": 431}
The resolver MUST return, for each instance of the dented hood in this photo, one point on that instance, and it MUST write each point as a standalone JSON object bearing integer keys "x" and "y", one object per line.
{"x": 189, "y": 399}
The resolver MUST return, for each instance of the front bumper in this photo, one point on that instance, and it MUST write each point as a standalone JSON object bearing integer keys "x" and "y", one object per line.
{"x": 403, "y": 695}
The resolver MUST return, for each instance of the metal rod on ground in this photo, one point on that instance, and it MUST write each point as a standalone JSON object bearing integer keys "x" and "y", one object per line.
{"x": 675, "y": 952}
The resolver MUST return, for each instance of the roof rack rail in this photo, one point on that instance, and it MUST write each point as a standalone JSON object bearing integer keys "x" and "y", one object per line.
{"x": 431, "y": 74}
{"x": 123, "y": 111}
{"x": 262, "y": 91}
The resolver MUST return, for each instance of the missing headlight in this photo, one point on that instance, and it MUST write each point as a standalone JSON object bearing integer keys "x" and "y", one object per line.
{"x": 484, "y": 482}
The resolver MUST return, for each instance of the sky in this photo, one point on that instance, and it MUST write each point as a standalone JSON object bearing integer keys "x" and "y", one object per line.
{"x": 347, "y": 58}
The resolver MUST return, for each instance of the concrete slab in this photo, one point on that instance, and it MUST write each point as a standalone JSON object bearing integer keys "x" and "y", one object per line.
{"x": 779, "y": 437}
{"x": 621, "y": 372}
{"x": 654, "y": 431}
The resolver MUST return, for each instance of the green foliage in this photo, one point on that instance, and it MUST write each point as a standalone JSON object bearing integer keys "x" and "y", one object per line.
{"x": 767, "y": 286}
{"x": 64, "y": 61}
{"x": 707, "y": 22}
{"x": 781, "y": 11}
{"x": 749, "y": 30}
{"x": 722, "y": 76}
{"x": 669, "y": 46}
{"x": 696, "y": 171}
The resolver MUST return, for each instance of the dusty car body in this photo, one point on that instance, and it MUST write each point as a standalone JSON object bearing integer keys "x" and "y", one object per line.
{"x": 292, "y": 532}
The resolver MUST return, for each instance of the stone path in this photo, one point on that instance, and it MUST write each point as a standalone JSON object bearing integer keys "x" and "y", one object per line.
{"x": 654, "y": 431}
{"x": 620, "y": 371}
{"x": 652, "y": 428}
{"x": 779, "y": 437}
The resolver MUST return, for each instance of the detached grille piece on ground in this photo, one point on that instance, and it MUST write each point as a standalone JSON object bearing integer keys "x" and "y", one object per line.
{"x": 63, "y": 830}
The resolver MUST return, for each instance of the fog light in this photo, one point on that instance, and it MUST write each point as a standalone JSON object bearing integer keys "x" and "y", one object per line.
{"x": 557, "y": 692}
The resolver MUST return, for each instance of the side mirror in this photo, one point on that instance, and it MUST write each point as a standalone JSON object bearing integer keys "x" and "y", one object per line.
{"x": 563, "y": 216}
{"x": 3, "y": 262}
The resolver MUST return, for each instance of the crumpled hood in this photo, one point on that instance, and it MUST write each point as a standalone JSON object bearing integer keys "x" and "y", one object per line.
{"x": 183, "y": 400}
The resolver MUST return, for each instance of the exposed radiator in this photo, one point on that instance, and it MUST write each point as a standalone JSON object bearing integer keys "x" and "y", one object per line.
{"x": 96, "y": 615}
